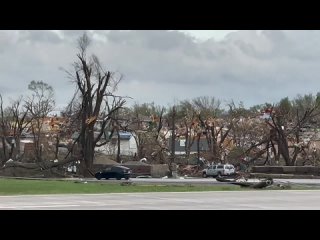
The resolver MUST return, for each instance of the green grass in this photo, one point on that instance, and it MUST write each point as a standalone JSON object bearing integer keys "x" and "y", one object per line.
{"x": 18, "y": 187}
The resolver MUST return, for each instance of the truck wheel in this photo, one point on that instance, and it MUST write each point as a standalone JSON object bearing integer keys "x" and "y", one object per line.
{"x": 204, "y": 175}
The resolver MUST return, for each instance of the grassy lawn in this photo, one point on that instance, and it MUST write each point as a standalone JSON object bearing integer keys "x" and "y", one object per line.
{"x": 16, "y": 187}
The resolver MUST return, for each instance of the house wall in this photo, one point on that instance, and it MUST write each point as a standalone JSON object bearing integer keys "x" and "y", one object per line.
{"x": 124, "y": 147}
{"x": 132, "y": 146}
{"x": 127, "y": 147}
{"x": 180, "y": 146}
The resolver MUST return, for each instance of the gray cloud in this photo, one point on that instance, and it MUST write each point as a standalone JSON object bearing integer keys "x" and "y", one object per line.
{"x": 39, "y": 36}
{"x": 166, "y": 66}
{"x": 152, "y": 39}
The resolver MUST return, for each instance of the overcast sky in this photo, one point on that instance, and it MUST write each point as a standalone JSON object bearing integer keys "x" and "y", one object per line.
{"x": 167, "y": 66}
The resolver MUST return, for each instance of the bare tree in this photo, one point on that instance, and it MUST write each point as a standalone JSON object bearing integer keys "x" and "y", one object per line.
{"x": 215, "y": 129}
{"x": 20, "y": 122}
{"x": 173, "y": 140}
{"x": 39, "y": 105}
{"x": 286, "y": 122}
{"x": 187, "y": 116}
{"x": 4, "y": 132}
{"x": 96, "y": 88}
{"x": 145, "y": 122}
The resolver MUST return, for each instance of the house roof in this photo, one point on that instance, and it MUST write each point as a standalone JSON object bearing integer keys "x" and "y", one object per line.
{"x": 123, "y": 135}
{"x": 179, "y": 145}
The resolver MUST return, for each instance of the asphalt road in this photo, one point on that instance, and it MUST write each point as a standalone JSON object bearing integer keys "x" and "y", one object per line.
{"x": 204, "y": 181}
{"x": 183, "y": 181}
{"x": 260, "y": 200}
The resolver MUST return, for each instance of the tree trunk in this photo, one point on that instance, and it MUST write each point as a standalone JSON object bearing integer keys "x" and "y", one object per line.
{"x": 198, "y": 146}
{"x": 189, "y": 142}
{"x": 173, "y": 143}
{"x": 118, "y": 150}
{"x": 186, "y": 144}
{"x": 17, "y": 139}
{"x": 284, "y": 150}
{"x": 4, "y": 148}
{"x": 57, "y": 147}
{"x": 11, "y": 150}
{"x": 36, "y": 139}
{"x": 268, "y": 155}
{"x": 275, "y": 154}
{"x": 209, "y": 142}
{"x": 88, "y": 152}
{"x": 215, "y": 152}
{"x": 214, "y": 148}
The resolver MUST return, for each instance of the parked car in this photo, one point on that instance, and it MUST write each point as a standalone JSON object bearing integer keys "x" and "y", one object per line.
{"x": 218, "y": 170}
{"x": 117, "y": 172}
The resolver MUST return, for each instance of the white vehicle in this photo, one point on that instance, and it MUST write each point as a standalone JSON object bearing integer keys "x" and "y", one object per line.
{"x": 218, "y": 170}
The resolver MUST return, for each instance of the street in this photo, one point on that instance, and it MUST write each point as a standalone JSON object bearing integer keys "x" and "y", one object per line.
{"x": 204, "y": 181}
{"x": 259, "y": 200}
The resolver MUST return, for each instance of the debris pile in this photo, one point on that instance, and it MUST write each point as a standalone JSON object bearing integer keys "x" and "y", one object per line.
{"x": 189, "y": 170}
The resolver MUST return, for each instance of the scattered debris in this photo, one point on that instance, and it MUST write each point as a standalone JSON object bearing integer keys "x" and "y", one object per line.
{"x": 283, "y": 186}
{"x": 127, "y": 183}
{"x": 143, "y": 176}
{"x": 244, "y": 183}
{"x": 189, "y": 170}
{"x": 144, "y": 160}
{"x": 81, "y": 181}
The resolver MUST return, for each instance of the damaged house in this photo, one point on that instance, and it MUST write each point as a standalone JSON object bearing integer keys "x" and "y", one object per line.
{"x": 128, "y": 145}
